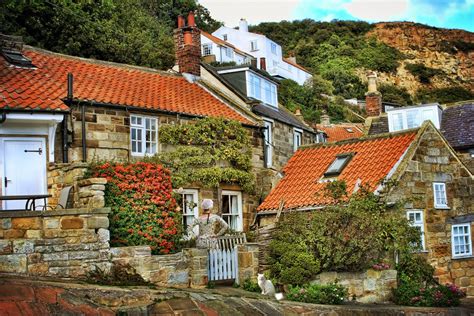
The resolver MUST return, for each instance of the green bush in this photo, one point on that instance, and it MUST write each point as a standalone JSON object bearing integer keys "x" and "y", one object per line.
{"x": 351, "y": 235}
{"x": 416, "y": 268}
{"x": 410, "y": 293}
{"x": 251, "y": 286}
{"x": 423, "y": 73}
{"x": 332, "y": 293}
{"x": 444, "y": 95}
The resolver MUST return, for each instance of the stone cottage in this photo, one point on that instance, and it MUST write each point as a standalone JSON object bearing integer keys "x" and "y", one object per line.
{"x": 426, "y": 168}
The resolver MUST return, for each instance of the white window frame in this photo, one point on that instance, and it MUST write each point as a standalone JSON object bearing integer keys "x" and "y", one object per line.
{"x": 224, "y": 37}
{"x": 257, "y": 88}
{"x": 444, "y": 196}
{"x": 239, "y": 215}
{"x": 420, "y": 224}
{"x": 141, "y": 128}
{"x": 228, "y": 52}
{"x": 253, "y": 45}
{"x": 194, "y": 212}
{"x": 297, "y": 132}
{"x": 463, "y": 235}
{"x": 419, "y": 114}
{"x": 207, "y": 49}
{"x": 268, "y": 146}
{"x": 273, "y": 48}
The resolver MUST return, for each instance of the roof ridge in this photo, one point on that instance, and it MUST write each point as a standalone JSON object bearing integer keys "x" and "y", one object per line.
{"x": 361, "y": 139}
{"x": 104, "y": 62}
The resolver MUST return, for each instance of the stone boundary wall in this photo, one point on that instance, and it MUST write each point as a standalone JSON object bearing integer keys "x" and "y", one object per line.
{"x": 65, "y": 244}
{"x": 248, "y": 260}
{"x": 371, "y": 286}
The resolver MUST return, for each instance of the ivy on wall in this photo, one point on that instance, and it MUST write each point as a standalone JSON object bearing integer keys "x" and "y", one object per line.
{"x": 208, "y": 151}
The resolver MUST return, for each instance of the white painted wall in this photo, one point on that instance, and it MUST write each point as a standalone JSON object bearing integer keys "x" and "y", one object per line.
{"x": 276, "y": 66}
{"x": 220, "y": 52}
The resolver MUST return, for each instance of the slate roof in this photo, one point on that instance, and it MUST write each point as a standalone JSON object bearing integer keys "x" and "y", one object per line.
{"x": 373, "y": 159}
{"x": 379, "y": 125}
{"x": 103, "y": 82}
{"x": 337, "y": 132}
{"x": 279, "y": 115}
{"x": 457, "y": 126}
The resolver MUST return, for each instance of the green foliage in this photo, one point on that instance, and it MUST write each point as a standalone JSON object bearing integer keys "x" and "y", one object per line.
{"x": 251, "y": 286}
{"x": 410, "y": 293}
{"x": 444, "y": 95}
{"x": 143, "y": 211}
{"x": 208, "y": 151}
{"x": 351, "y": 235}
{"x": 218, "y": 64}
{"x": 394, "y": 94}
{"x": 423, "y": 73}
{"x": 378, "y": 56}
{"x": 416, "y": 268}
{"x": 333, "y": 294}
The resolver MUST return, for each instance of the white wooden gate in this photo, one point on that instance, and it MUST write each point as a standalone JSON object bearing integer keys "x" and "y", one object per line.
{"x": 222, "y": 258}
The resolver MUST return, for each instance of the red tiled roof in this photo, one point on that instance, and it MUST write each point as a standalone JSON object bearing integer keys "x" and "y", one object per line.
{"x": 372, "y": 161}
{"x": 289, "y": 61}
{"x": 339, "y": 132}
{"x": 219, "y": 41}
{"x": 103, "y": 82}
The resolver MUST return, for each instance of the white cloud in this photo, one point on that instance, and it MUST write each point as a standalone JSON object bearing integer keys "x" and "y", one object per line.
{"x": 231, "y": 11}
{"x": 328, "y": 18}
{"x": 377, "y": 10}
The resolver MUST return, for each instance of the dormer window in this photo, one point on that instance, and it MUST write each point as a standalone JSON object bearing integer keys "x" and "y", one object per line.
{"x": 16, "y": 58}
{"x": 261, "y": 89}
{"x": 338, "y": 165}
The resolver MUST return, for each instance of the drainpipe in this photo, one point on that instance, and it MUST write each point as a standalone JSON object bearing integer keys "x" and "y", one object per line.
{"x": 3, "y": 117}
{"x": 70, "y": 96}
{"x": 84, "y": 146}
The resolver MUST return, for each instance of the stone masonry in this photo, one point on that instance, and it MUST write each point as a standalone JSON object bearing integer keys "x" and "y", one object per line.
{"x": 63, "y": 243}
{"x": 433, "y": 161}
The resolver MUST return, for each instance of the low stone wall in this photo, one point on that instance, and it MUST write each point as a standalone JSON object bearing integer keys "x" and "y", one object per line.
{"x": 370, "y": 286}
{"x": 65, "y": 243}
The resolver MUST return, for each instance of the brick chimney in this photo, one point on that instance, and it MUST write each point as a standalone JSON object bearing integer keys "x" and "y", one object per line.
{"x": 373, "y": 98}
{"x": 187, "y": 40}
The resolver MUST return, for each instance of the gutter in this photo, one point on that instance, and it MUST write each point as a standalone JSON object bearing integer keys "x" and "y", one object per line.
{"x": 302, "y": 209}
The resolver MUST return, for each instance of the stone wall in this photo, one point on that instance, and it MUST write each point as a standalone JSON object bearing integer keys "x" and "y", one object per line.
{"x": 370, "y": 286}
{"x": 64, "y": 243}
{"x": 248, "y": 260}
{"x": 432, "y": 162}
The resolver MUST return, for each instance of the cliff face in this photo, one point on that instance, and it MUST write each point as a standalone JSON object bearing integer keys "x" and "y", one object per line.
{"x": 451, "y": 51}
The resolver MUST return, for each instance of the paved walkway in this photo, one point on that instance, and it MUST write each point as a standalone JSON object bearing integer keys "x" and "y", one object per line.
{"x": 19, "y": 296}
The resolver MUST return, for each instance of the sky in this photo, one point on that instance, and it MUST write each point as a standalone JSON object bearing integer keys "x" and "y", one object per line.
{"x": 457, "y": 14}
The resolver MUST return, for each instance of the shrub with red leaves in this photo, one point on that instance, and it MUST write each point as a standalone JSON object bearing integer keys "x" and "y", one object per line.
{"x": 143, "y": 208}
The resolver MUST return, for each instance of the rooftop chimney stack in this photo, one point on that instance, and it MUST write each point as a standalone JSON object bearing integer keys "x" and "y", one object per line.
{"x": 373, "y": 98}
{"x": 325, "y": 119}
{"x": 187, "y": 40}
{"x": 243, "y": 25}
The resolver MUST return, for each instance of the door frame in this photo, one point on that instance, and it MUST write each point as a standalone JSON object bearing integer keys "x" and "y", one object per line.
{"x": 3, "y": 159}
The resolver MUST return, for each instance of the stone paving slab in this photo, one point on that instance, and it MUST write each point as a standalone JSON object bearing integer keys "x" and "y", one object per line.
{"x": 31, "y": 297}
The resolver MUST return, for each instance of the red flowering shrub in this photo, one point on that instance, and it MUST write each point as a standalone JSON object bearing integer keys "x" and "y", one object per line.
{"x": 143, "y": 208}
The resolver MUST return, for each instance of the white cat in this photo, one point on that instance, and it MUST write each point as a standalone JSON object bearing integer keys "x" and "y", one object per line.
{"x": 267, "y": 287}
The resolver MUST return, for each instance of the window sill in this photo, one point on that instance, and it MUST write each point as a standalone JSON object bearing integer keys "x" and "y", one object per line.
{"x": 463, "y": 257}
{"x": 442, "y": 207}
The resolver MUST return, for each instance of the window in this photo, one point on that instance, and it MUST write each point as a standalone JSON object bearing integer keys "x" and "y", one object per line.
{"x": 416, "y": 219}
{"x": 297, "y": 138}
{"x": 461, "y": 240}
{"x": 413, "y": 119}
{"x": 232, "y": 209}
{"x": 399, "y": 119}
{"x": 338, "y": 165}
{"x": 188, "y": 201}
{"x": 268, "y": 138}
{"x": 439, "y": 192}
{"x": 397, "y": 122}
{"x": 207, "y": 49}
{"x": 273, "y": 48}
{"x": 224, "y": 37}
{"x": 253, "y": 45}
{"x": 228, "y": 52}
{"x": 320, "y": 138}
{"x": 262, "y": 89}
{"x": 255, "y": 88}
{"x": 143, "y": 135}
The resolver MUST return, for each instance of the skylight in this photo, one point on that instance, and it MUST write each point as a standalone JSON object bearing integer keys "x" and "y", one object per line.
{"x": 350, "y": 130}
{"x": 338, "y": 165}
{"x": 16, "y": 58}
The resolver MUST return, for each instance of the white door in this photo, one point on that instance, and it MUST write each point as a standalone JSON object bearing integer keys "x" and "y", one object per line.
{"x": 24, "y": 169}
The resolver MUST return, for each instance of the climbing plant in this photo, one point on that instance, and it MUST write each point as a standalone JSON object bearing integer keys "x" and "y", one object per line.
{"x": 208, "y": 151}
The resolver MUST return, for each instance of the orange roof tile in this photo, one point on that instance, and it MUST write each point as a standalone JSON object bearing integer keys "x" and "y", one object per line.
{"x": 372, "y": 161}
{"x": 289, "y": 61}
{"x": 103, "y": 82}
{"x": 337, "y": 132}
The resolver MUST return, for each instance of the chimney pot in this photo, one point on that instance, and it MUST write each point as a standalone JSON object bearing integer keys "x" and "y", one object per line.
{"x": 181, "y": 21}
{"x": 373, "y": 98}
{"x": 372, "y": 82}
{"x": 191, "y": 20}
{"x": 263, "y": 63}
{"x": 325, "y": 120}
{"x": 188, "y": 38}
